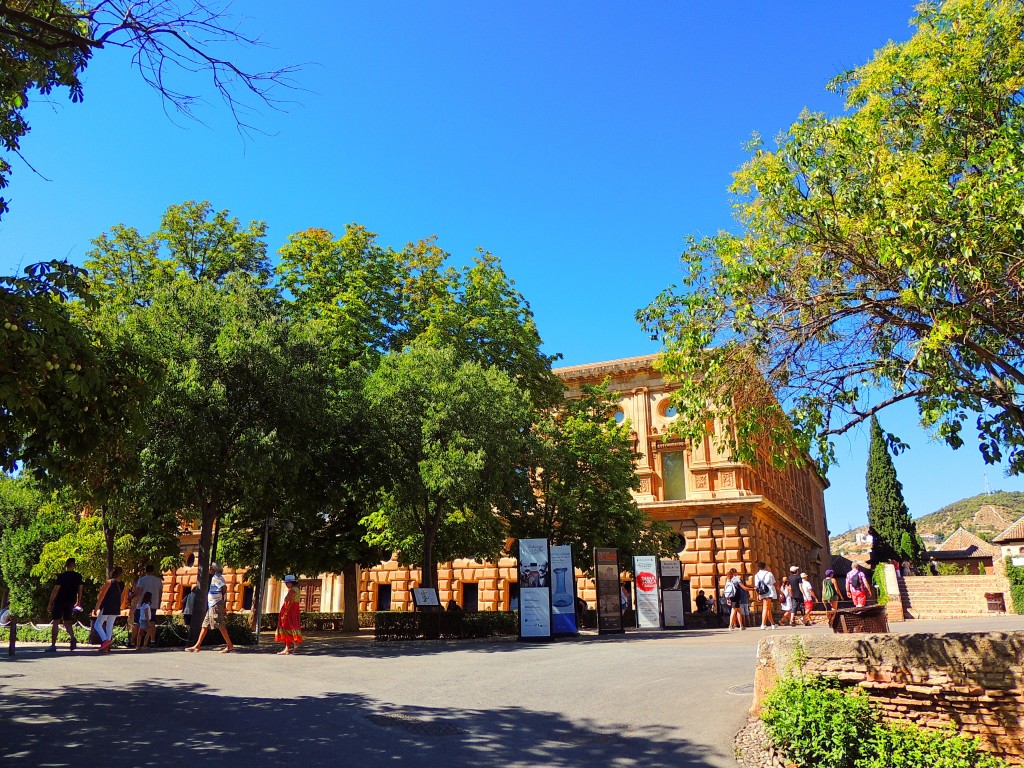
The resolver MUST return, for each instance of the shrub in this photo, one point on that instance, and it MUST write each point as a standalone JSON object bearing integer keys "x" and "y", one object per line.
{"x": 878, "y": 579}
{"x": 815, "y": 723}
{"x": 908, "y": 746}
{"x": 1017, "y": 596}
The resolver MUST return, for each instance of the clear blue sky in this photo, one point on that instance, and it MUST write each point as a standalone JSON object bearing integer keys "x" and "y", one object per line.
{"x": 580, "y": 142}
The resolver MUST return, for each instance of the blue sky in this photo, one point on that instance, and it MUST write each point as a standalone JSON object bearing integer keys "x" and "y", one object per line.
{"x": 580, "y": 142}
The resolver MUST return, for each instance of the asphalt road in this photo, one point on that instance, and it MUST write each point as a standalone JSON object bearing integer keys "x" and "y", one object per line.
{"x": 653, "y": 700}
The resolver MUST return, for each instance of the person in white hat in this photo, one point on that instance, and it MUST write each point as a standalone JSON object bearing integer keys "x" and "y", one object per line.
{"x": 216, "y": 612}
{"x": 289, "y": 624}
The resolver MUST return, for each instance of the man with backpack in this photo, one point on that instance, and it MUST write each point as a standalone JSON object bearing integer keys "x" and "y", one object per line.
{"x": 764, "y": 583}
{"x": 857, "y": 586}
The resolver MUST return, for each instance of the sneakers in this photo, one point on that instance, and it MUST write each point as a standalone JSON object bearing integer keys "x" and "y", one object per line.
{"x": 51, "y": 649}
{"x": 104, "y": 647}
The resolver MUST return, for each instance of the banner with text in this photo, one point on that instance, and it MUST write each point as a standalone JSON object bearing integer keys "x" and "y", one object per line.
{"x": 648, "y": 606}
{"x": 534, "y": 588}
{"x": 606, "y": 581}
{"x": 563, "y": 591}
{"x": 672, "y": 593}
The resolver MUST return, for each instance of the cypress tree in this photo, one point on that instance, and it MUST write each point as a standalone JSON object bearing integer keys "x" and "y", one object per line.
{"x": 894, "y": 532}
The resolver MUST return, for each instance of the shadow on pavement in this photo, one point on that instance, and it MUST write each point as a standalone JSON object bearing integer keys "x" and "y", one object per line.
{"x": 158, "y": 724}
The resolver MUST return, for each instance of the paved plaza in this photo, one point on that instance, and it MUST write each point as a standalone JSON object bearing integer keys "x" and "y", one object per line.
{"x": 654, "y": 700}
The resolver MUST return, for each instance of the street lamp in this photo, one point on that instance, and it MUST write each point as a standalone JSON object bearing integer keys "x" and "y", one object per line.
{"x": 270, "y": 522}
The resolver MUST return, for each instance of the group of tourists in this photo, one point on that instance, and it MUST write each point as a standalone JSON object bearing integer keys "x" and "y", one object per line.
{"x": 795, "y": 595}
{"x": 65, "y": 606}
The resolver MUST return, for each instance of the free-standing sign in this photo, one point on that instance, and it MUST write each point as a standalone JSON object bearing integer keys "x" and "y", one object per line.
{"x": 534, "y": 589}
{"x": 672, "y": 593}
{"x": 425, "y": 597}
{"x": 563, "y": 591}
{"x": 648, "y": 606}
{"x": 609, "y": 608}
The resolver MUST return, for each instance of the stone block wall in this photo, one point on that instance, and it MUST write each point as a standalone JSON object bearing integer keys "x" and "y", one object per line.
{"x": 947, "y": 597}
{"x": 973, "y": 682}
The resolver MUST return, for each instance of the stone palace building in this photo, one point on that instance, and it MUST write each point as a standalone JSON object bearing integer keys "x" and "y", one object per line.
{"x": 727, "y": 515}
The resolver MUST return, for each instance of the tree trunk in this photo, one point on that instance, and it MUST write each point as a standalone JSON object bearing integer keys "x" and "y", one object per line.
{"x": 108, "y": 540}
{"x": 350, "y": 574}
{"x": 208, "y": 519}
{"x": 428, "y": 568}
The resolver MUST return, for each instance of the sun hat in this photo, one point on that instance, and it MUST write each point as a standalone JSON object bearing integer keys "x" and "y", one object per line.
{"x": 289, "y": 579}
{"x": 803, "y": 575}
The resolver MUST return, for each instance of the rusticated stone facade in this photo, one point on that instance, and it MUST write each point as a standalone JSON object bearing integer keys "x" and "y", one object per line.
{"x": 728, "y": 515}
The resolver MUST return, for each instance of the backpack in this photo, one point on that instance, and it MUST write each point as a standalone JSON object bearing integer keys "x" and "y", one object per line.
{"x": 730, "y": 590}
{"x": 855, "y": 580}
{"x": 828, "y": 591}
{"x": 762, "y": 587}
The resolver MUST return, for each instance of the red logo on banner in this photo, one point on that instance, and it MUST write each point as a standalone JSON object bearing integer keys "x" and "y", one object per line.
{"x": 646, "y": 582}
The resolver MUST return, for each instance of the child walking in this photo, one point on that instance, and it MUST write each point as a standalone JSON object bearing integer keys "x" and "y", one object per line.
{"x": 145, "y": 616}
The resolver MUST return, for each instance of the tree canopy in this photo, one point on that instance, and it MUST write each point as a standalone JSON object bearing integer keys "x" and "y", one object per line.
{"x": 880, "y": 258}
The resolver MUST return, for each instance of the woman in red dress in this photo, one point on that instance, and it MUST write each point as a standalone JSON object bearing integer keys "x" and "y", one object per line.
{"x": 289, "y": 629}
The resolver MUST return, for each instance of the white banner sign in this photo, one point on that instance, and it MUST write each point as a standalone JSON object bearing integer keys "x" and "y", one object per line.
{"x": 534, "y": 588}
{"x": 563, "y": 592}
{"x": 648, "y": 607}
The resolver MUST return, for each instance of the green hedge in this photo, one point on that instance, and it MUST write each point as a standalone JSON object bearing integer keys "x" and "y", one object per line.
{"x": 817, "y": 723}
{"x": 307, "y": 620}
{"x": 413, "y": 625}
{"x": 881, "y": 590}
{"x": 169, "y": 634}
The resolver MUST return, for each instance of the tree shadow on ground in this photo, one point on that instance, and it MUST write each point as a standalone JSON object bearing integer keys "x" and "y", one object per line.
{"x": 158, "y": 723}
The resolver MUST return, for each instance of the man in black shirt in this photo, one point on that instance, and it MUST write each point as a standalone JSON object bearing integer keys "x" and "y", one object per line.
{"x": 794, "y": 585}
{"x": 66, "y": 595}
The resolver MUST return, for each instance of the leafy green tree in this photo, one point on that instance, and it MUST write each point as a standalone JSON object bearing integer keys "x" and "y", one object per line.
{"x": 453, "y": 434}
{"x": 30, "y": 518}
{"x": 893, "y": 530}
{"x": 584, "y": 470}
{"x": 879, "y": 259}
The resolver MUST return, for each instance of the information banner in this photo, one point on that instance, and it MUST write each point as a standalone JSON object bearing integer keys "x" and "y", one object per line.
{"x": 563, "y": 591}
{"x": 672, "y": 593}
{"x": 609, "y": 606}
{"x": 648, "y": 606}
{"x": 534, "y": 589}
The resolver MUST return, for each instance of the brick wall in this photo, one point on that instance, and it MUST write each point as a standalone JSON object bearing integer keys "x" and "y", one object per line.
{"x": 947, "y": 597}
{"x": 972, "y": 681}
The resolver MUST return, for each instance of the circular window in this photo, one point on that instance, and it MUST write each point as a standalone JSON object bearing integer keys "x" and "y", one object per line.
{"x": 619, "y": 417}
{"x": 667, "y": 410}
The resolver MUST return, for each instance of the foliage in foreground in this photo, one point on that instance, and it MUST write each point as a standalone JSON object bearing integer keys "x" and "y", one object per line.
{"x": 815, "y": 722}
{"x": 879, "y": 257}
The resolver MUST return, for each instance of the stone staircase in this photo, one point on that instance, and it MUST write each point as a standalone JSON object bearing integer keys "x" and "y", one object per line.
{"x": 950, "y": 597}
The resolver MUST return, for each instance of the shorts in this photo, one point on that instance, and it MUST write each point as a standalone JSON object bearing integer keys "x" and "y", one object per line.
{"x": 215, "y": 616}
{"x": 62, "y": 612}
{"x": 143, "y": 625}
{"x": 745, "y": 608}
{"x": 809, "y": 605}
{"x": 859, "y": 597}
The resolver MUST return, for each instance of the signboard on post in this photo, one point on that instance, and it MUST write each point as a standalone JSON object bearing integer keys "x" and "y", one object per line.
{"x": 672, "y": 593}
{"x": 425, "y": 597}
{"x": 609, "y": 607}
{"x": 563, "y": 591}
{"x": 648, "y": 606}
{"x": 534, "y": 589}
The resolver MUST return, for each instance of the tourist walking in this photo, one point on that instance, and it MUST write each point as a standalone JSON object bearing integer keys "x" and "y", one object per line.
{"x": 794, "y": 592}
{"x": 216, "y": 612}
{"x": 830, "y": 594}
{"x": 809, "y": 599}
{"x": 148, "y": 582}
{"x": 764, "y": 584}
{"x": 65, "y": 598}
{"x": 786, "y": 603}
{"x": 857, "y": 586}
{"x": 145, "y": 620}
{"x": 289, "y": 626}
{"x": 733, "y": 590}
{"x": 108, "y": 608}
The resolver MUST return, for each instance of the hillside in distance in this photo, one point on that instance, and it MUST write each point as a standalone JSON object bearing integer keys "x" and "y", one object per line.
{"x": 984, "y": 515}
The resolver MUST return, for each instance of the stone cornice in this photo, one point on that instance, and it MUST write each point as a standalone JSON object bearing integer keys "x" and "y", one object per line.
{"x": 590, "y": 371}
